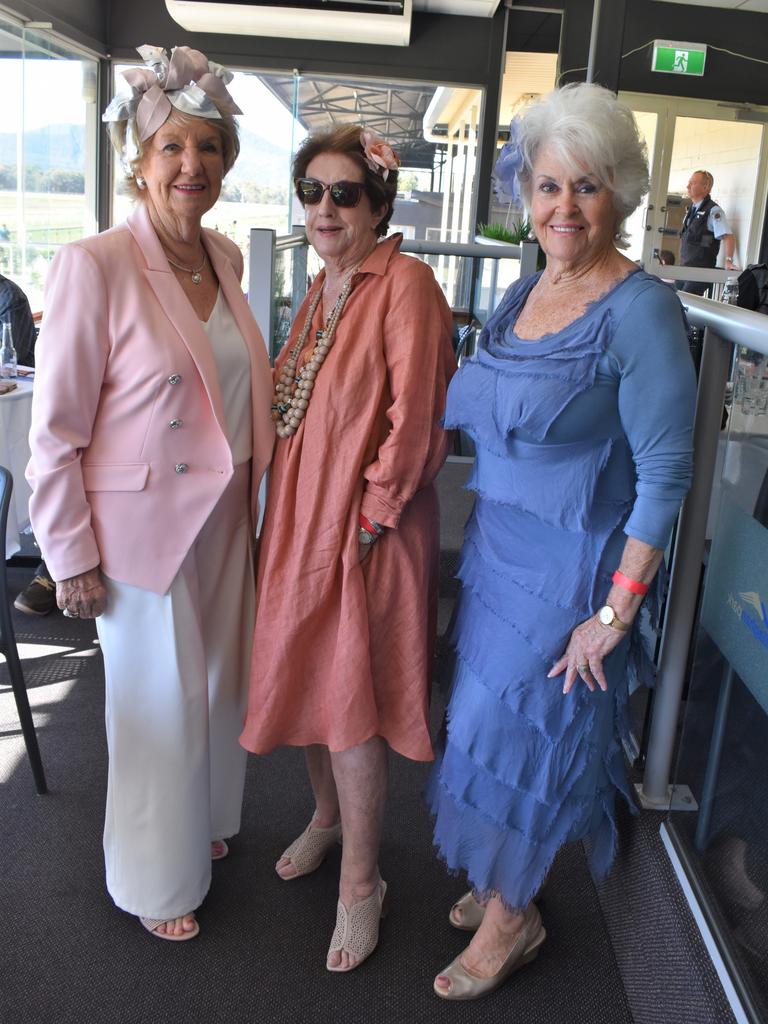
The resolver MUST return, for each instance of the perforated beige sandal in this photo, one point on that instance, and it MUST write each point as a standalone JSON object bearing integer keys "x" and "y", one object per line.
{"x": 308, "y": 852}
{"x": 357, "y": 929}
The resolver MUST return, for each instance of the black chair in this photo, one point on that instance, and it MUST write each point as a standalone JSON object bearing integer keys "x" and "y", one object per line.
{"x": 8, "y": 645}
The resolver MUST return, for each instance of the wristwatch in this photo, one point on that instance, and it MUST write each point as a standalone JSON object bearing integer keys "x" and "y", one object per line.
{"x": 608, "y": 617}
{"x": 366, "y": 537}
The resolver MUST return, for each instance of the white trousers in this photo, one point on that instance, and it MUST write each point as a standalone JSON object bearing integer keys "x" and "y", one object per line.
{"x": 176, "y": 669}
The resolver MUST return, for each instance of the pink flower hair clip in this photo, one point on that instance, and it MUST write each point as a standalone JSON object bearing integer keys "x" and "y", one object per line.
{"x": 379, "y": 156}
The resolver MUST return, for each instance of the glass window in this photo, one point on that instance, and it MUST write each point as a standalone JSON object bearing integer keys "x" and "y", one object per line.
{"x": 47, "y": 153}
{"x": 725, "y": 730}
{"x": 435, "y": 130}
{"x": 255, "y": 192}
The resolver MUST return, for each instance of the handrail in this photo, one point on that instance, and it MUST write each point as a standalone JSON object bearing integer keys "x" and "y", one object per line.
{"x": 285, "y": 242}
{"x": 733, "y": 324}
{"x": 497, "y": 251}
{"x": 724, "y": 326}
{"x": 706, "y": 275}
{"x": 417, "y": 247}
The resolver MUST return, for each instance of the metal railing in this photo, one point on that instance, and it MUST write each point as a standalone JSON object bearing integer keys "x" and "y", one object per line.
{"x": 724, "y": 327}
{"x": 266, "y": 248}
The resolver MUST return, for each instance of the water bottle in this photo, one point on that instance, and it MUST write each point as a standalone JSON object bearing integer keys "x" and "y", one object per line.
{"x": 731, "y": 291}
{"x": 7, "y": 353}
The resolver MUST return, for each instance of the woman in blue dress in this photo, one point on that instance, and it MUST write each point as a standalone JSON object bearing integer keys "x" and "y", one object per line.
{"x": 580, "y": 402}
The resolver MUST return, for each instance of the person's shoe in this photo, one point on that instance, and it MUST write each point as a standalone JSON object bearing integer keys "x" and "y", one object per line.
{"x": 467, "y": 914}
{"x": 39, "y": 598}
{"x": 357, "y": 929}
{"x": 219, "y": 849}
{"x": 465, "y": 984}
{"x": 152, "y": 924}
{"x": 308, "y": 852}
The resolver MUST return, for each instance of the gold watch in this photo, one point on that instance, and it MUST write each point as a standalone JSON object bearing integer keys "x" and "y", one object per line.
{"x": 608, "y": 617}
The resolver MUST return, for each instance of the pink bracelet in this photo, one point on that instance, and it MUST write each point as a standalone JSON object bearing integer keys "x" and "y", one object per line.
{"x": 373, "y": 528}
{"x": 633, "y": 586}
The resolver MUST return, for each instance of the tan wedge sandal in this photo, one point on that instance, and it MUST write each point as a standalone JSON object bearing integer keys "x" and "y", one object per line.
{"x": 467, "y": 914}
{"x": 465, "y": 984}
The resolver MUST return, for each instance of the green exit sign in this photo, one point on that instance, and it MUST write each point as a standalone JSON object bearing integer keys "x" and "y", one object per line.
{"x": 678, "y": 58}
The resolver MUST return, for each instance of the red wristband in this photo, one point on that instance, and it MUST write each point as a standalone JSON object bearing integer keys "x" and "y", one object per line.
{"x": 369, "y": 526}
{"x": 633, "y": 586}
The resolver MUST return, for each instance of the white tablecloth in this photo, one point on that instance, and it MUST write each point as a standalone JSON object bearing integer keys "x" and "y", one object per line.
{"x": 15, "y": 418}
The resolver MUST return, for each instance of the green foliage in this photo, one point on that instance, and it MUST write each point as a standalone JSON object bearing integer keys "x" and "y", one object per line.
{"x": 56, "y": 179}
{"x": 515, "y": 233}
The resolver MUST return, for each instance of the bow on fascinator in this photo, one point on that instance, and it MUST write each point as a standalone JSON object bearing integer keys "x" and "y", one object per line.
{"x": 188, "y": 81}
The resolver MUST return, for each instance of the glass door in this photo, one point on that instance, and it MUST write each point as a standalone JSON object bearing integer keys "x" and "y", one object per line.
{"x": 689, "y": 135}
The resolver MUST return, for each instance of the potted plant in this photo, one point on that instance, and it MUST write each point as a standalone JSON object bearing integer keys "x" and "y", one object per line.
{"x": 515, "y": 233}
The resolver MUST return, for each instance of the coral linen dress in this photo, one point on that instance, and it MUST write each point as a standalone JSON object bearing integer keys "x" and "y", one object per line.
{"x": 343, "y": 649}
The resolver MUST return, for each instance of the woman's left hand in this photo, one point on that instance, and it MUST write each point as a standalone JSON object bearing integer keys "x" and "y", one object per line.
{"x": 588, "y": 646}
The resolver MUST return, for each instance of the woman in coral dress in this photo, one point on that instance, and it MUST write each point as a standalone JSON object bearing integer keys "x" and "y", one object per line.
{"x": 347, "y": 576}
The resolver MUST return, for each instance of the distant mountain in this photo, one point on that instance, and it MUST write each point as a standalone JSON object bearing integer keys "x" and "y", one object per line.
{"x": 62, "y": 146}
{"x": 57, "y": 145}
{"x": 261, "y": 162}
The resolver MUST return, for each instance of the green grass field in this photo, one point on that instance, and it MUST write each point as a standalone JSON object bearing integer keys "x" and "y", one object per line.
{"x": 52, "y": 219}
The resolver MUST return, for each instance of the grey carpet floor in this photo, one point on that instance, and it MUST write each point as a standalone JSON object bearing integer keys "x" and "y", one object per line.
{"x": 70, "y": 957}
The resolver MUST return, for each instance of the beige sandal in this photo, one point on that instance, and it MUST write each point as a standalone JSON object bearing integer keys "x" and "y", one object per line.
{"x": 465, "y": 984}
{"x": 152, "y": 924}
{"x": 357, "y": 929}
{"x": 471, "y": 913}
{"x": 219, "y": 849}
{"x": 308, "y": 852}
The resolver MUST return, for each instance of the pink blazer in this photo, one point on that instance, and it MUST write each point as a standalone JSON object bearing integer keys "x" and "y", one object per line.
{"x": 128, "y": 438}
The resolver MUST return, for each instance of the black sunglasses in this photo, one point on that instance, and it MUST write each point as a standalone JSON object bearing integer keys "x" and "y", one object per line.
{"x": 343, "y": 193}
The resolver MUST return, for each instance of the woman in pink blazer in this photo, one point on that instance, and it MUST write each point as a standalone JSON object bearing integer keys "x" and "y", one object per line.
{"x": 151, "y": 431}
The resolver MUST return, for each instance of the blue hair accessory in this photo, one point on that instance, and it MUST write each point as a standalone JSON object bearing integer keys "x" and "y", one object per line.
{"x": 508, "y": 166}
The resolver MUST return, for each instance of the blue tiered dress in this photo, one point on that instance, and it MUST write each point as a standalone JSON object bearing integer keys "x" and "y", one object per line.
{"x": 583, "y": 438}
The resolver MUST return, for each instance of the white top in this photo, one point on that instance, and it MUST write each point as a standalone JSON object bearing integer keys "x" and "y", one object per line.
{"x": 716, "y": 221}
{"x": 234, "y": 367}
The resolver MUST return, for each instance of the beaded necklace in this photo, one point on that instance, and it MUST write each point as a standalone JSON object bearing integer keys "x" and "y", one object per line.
{"x": 294, "y": 390}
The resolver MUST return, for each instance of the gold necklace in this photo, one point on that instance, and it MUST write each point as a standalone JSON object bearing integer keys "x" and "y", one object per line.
{"x": 196, "y": 272}
{"x": 294, "y": 390}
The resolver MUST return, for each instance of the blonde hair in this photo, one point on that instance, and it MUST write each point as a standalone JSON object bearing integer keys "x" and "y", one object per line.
{"x": 118, "y": 135}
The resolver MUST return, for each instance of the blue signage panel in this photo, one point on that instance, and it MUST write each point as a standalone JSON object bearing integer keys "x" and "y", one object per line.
{"x": 735, "y": 607}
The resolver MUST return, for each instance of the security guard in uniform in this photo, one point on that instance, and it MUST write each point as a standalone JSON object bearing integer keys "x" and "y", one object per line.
{"x": 704, "y": 227}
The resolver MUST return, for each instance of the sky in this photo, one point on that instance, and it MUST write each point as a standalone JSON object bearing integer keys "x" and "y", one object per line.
{"x": 51, "y": 92}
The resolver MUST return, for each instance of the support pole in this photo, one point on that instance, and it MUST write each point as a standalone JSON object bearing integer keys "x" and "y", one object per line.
{"x": 686, "y": 572}
{"x": 593, "y": 40}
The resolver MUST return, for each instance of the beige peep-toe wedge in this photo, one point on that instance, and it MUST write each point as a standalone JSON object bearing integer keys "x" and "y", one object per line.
{"x": 465, "y": 984}
{"x": 467, "y": 914}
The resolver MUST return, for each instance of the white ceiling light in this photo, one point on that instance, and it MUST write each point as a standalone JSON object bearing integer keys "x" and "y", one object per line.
{"x": 382, "y": 22}
{"x": 756, "y": 6}
{"x": 311, "y": 21}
